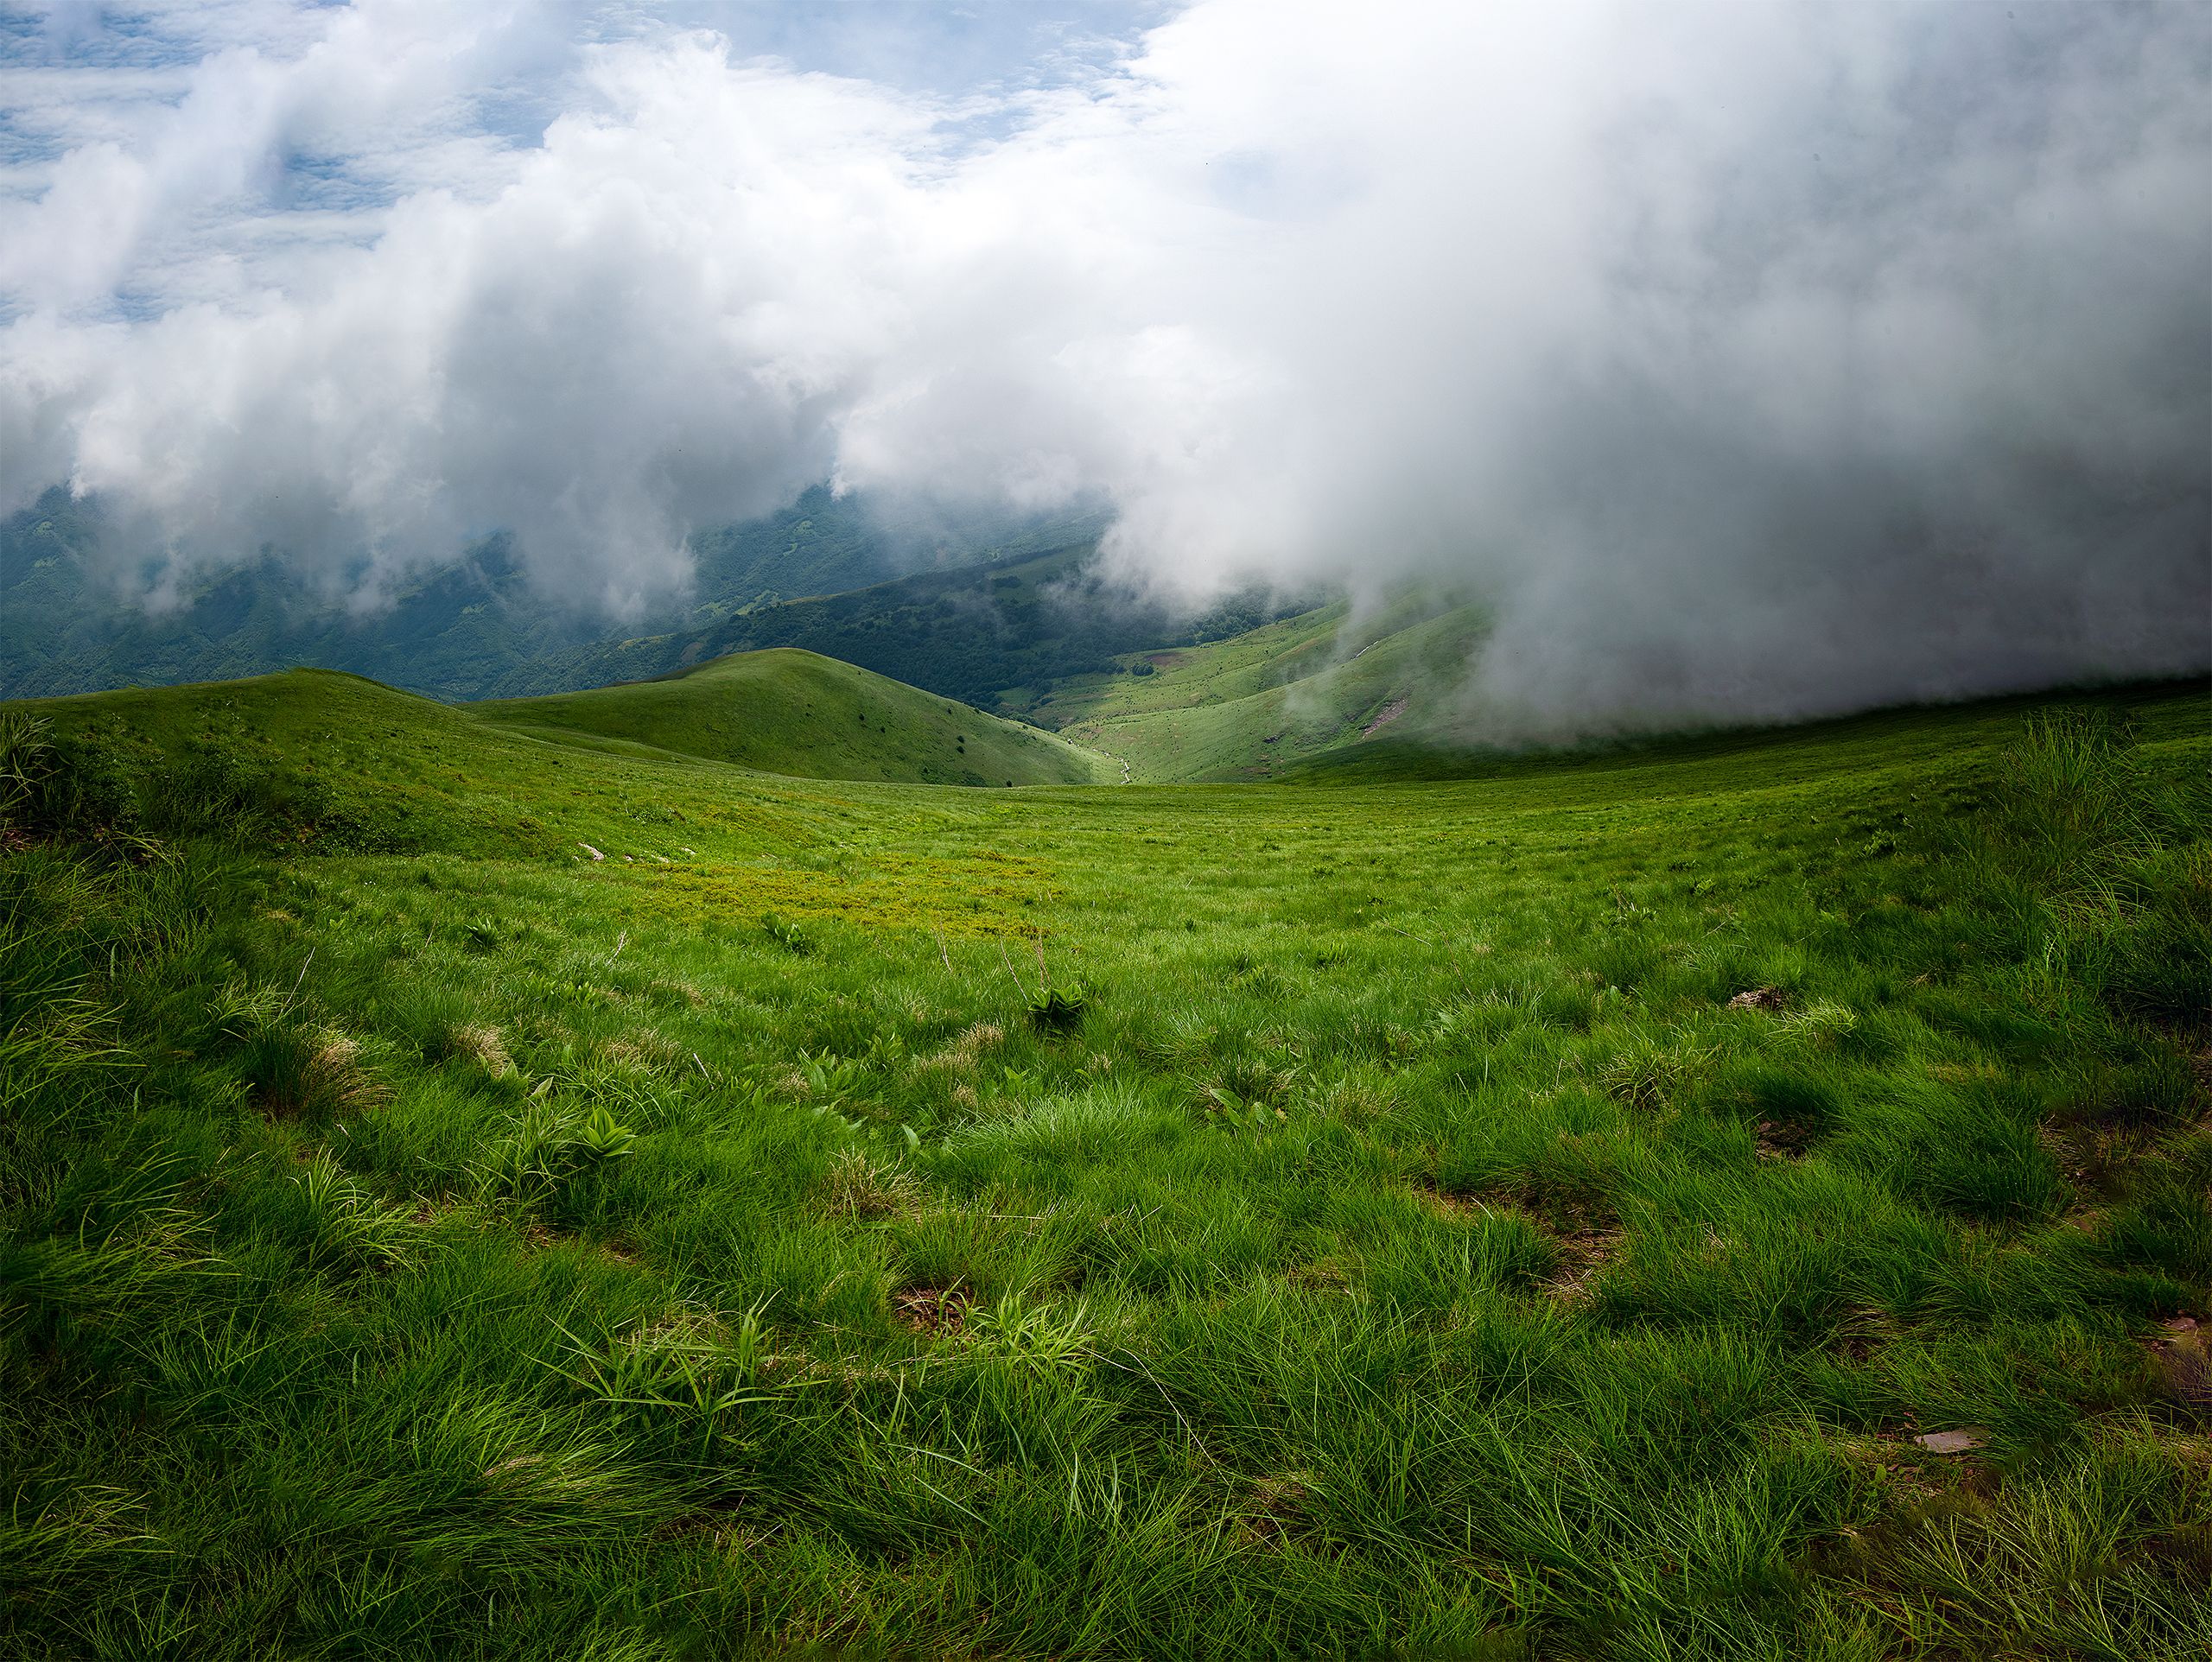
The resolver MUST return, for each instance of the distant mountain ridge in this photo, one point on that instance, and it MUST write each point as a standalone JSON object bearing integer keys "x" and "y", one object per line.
{"x": 999, "y": 634}
{"x": 474, "y": 629}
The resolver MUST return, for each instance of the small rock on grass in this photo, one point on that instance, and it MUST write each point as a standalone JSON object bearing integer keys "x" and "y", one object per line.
{"x": 2183, "y": 1359}
{"x": 1758, "y": 998}
{"x": 1948, "y": 1442}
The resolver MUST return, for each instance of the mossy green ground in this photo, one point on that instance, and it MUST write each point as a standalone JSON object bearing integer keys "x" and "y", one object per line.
{"x": 474, "y": 1248}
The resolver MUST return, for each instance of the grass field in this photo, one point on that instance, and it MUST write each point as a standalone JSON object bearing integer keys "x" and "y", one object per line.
{"x": 471, "y": 1195}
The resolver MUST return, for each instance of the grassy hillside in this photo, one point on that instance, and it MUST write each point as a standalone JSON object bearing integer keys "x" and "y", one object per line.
{"x": 345, "y": 763}
{"x": 1734, "y": 1201}
{"x": 1251, "y": 707}
{"x": 785, "y": 711}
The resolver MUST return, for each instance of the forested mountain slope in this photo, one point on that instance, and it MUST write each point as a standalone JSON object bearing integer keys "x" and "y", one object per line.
{"x": 474, "y": 629}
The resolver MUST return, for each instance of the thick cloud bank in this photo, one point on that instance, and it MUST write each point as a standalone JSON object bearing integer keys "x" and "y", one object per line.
{"x": 1753, "y": 361}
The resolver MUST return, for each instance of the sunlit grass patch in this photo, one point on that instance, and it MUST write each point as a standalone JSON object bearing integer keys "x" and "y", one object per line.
{"x": 971, "y": 896}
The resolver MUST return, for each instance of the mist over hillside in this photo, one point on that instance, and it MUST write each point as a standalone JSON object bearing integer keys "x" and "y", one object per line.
{"x": 1750, "y": 362}
{"x": 1004, "y": 633}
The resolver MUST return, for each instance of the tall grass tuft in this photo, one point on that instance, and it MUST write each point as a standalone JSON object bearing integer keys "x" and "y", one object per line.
{"x": 2097, "y": 853}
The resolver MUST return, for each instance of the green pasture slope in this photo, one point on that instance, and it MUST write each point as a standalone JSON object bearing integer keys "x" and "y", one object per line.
{"x": 1219, "y": 1220}
{"x": 1325, "y": 683}
{"x": 376, "y": 767}
{"x": 788, "y": 711}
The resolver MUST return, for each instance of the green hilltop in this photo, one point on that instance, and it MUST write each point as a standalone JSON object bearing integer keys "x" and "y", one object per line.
{"x": 785, "y": 710}
{"x": 355, "y": 764}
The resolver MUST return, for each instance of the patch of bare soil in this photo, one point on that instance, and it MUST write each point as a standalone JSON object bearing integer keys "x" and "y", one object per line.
{"x": 932, "y": 1310}
{"x": 1323, "y": 1275}
{"x": 1780, "y": 1139}
{"x": 1385, "y": 716}
{"x": 1583, "y": 1254}
{"x": 1863, "y": 1332}
{"x": 1273, "y": 1507}
{"x": 541, "y": 1238}
{"x": 1455, "y": 1209}
{"x": 1583, "y": 1231}
{"x": 1915, "y": 1466}
{"x": 1758, "y": 998}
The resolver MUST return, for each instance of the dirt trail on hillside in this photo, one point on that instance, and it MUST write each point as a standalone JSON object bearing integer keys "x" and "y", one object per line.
{"x": 1386, "y": 716}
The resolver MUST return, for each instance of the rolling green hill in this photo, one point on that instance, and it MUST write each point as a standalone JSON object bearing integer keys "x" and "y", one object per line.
{"x": 332, "y": 760}
{"x": 787, "y": 711}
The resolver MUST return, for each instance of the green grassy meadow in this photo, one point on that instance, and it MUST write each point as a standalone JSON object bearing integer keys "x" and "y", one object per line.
{"x": 514, "y": 1183}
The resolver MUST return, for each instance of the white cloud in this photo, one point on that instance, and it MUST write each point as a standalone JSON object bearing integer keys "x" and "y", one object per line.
{"x": 1755, "y": 360}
